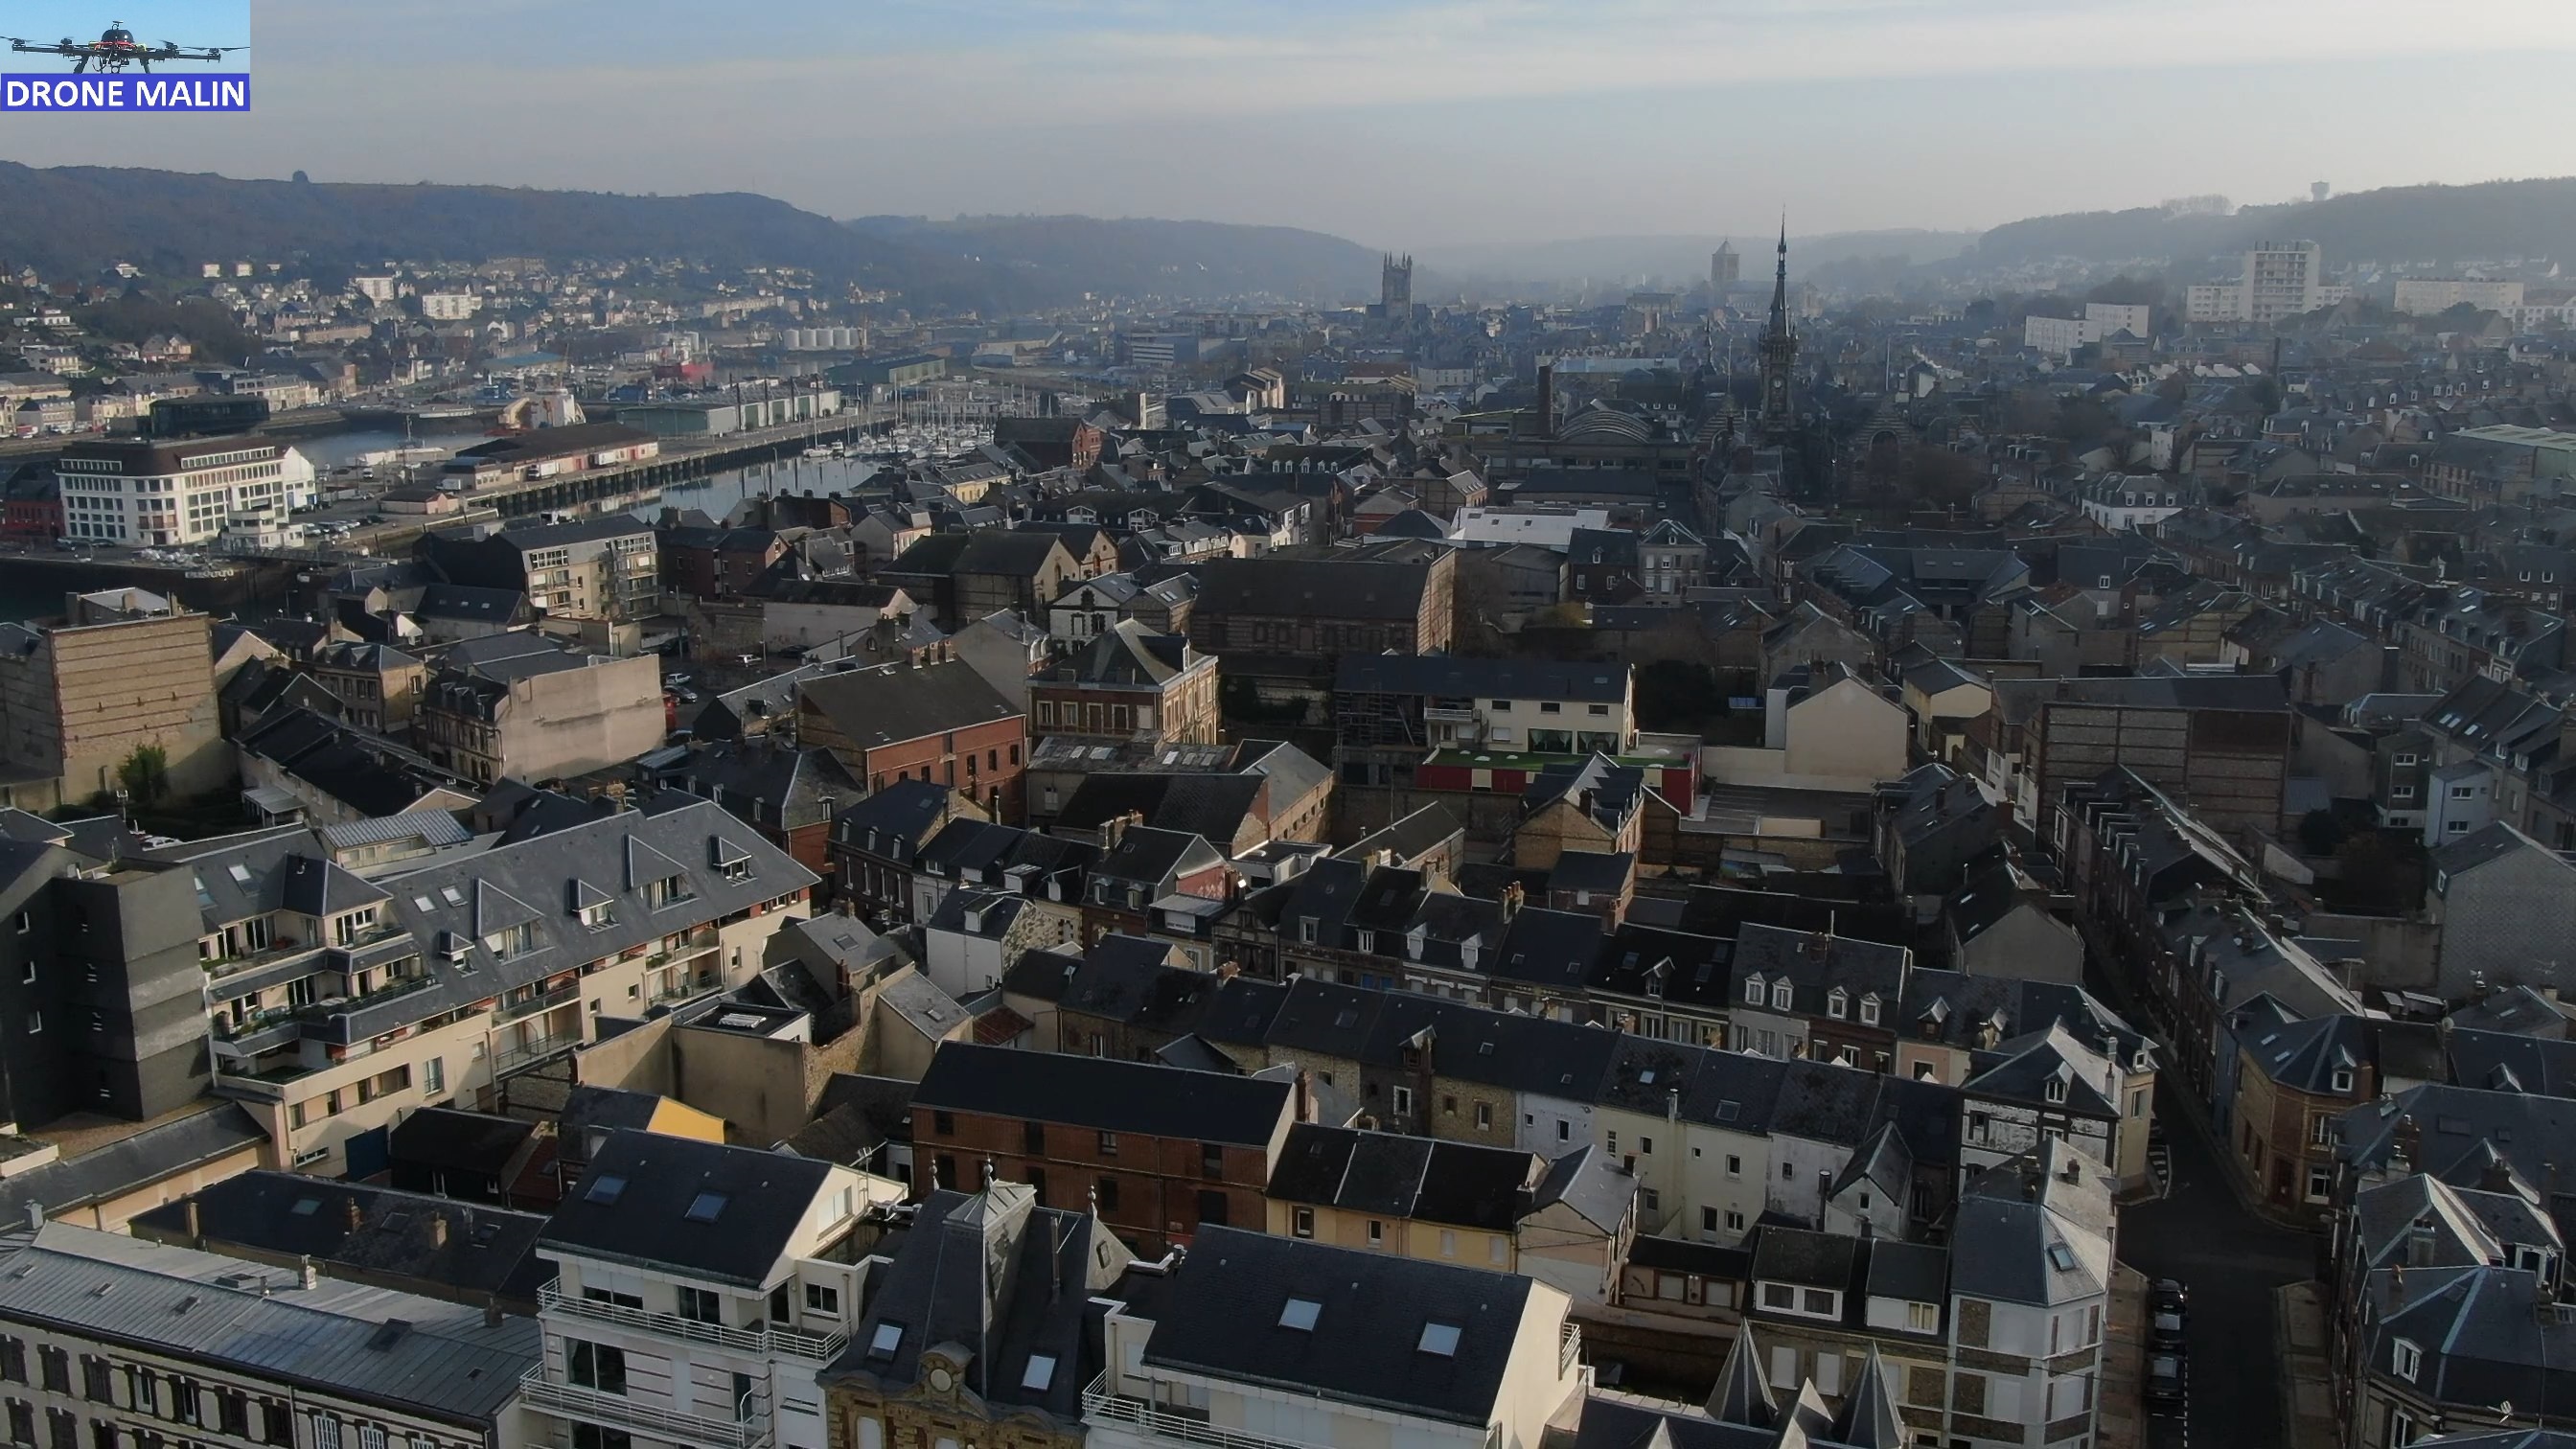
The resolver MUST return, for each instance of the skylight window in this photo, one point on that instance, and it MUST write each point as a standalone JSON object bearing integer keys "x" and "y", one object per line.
{"x": 706, "y": 1207}
{"x": 605, "y": 1189}
{"x": 889, "y": 1337}
{"x": 1299, "y": 1314}
{"x": 1440, "y": 1339}
{"x": 305, "y": 1207}
{"x": 451, "y": 895}
{"x": 1041, "y": 1372}
{"x": 239, "y": 872}
{"x": 2061, "y": 1257}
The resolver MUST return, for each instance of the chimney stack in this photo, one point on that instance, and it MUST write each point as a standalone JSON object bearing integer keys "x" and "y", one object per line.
{"x": 438, "y": 1230}
{"x": 312, "y": 1276}
{"x": 196, "y": 1225}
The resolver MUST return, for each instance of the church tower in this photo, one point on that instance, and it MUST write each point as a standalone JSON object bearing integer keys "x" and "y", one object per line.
{"x": 1395, "y": 285}
{"x": 1779, "y": 356}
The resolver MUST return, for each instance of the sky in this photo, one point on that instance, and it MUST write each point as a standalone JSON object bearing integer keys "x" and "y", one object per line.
{"x": 1399, "y": 123}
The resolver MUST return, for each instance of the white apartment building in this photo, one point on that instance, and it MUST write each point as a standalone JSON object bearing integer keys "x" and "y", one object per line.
{"x": 2060, "y": 336}
{"x": 111, "y": 1340}
{"x": 449, "y": 306}
{"x": 2430, "y": 296}
{"x": 699, "y": 1290}
{"x": 1259, "y": 1341}
{"x": 375, "y": 289}
{"x": 2282, "y": 279}
{"x": 160, "y": 494}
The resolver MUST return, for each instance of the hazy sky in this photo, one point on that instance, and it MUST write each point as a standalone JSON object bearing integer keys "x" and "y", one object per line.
{"x": 1408, "y": 123}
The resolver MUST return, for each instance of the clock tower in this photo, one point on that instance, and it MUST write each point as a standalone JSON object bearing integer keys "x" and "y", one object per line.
{"x": 1779, "y": 355}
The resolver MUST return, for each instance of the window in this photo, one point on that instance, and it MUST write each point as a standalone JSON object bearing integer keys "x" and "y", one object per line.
{"x": 1837, "y": 1002}
{"x": 2407, "y": 1358}
{"x": 2342, "y": 1082}
{"x": 701, "y": 1305}
{"x": 822, "y": 1298}
{"x": 1788, "y": 1173}
{"x": 1484, "y": 1116}
{"x": 1299, "y": 1314}
{"x": 599, "y": 1366}
{"x": 1753, "y": 990}
{"x": 1439, "y": 1340}
{"x": 1377, "y": 1233}
{"x": 1779, "y": 1295}
{"x": 1109, "y": 1144}
{"x": 1448, "y": 1243}
{"x": 1869, "y": 1010}
{"x": 1106, "y": 1194}
{"x": 1780, "y": 996}
{"x": 1039, "y": 1374}
{"x": 1402, "y": 1100}
{"x": 1303, "y": 1224}
{"x": 1734, "y": 1165}
{"x": 1708, "y": 1220}
{"x": 889, "y": 1337}
{"x": 1923, "y": 1317}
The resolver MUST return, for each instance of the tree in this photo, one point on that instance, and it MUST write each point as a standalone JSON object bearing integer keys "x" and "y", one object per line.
{"x": 145, "y": 775}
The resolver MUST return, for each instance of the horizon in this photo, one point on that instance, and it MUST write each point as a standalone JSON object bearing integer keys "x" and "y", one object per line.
{"x": 1514, "y": 122}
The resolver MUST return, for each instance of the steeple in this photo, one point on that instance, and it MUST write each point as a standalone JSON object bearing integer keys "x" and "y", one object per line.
{"x": 1779, "y": 354}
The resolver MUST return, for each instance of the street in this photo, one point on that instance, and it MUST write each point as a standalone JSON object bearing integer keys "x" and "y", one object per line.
{"x": 2231, "y": 1261}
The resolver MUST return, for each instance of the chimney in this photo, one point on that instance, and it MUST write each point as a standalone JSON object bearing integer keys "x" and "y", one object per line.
{"x": 491, "y": 1310}
{"x": 438, "y": 1230}
{"x": 312, "y": 1276}
{"x": 196, "y": 1225}
{"x": 351, "y": 1212}
{"x": 1512, "y": 898}
{"x": 1547, "y": 401}
{"x": 2397, "y": 1288}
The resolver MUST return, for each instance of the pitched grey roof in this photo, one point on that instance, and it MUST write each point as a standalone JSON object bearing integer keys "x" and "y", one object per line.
{"x": 444, "y": 1363}
{"x": 887, "y": 706}
{"x": 1103, "y": 1094}
{"x": 1221, "y": 1316}
{"x": 659, "y": 1179}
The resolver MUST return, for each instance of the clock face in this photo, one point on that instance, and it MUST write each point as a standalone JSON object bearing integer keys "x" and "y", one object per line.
{"x": 941, "y": 1378}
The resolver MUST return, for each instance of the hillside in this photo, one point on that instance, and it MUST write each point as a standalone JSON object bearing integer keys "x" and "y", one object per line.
{"x": 2409, "y": 223}
{"x": 1066, "y": 256}
{"x": 82, "y": 217}
{"x": 1678, "y": 261}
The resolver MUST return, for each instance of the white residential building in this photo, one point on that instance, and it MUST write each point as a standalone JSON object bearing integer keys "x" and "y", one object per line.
{"x": 2429, "y": 296}
{"x": 164, "y": 493}
{"x": 449, "y": 306}
{"x": 700, "y": 1288}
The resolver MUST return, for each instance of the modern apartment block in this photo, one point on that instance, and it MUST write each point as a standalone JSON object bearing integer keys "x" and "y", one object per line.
{"x": 700, "y": 1288}
{"x": 161, "y": 493}
{"x": 340, "y": 1001}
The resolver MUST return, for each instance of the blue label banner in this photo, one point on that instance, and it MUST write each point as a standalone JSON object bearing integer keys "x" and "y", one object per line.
{"x": 157, "y": 94}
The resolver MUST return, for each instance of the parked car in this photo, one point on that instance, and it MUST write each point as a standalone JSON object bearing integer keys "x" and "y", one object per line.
{"x": 2168, "y": 1296}
{"x": 2165, "y": 1380}
{"x": 679, "y": 676}
{"x": 2164, "y": 1333}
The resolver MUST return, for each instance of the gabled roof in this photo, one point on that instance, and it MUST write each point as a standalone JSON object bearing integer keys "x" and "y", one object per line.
{"x": 1104, "y": 1095}
{"x": 1222, "y": 1316}
{"x": 704, "y": 1209}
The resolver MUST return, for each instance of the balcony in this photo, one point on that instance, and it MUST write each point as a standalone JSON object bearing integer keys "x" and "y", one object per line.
{"x": 1101, "y": 1405}
{"x": 562, "y": 995}
{"x": 1569, "y": 1348}
{"x": 523, "y": 1055}
{"x": 749, "y": 1342}
{"x": 618, "y": 1411}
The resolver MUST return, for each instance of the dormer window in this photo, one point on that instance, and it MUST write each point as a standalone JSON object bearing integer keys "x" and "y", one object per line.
{"x": 1869, "y": 1009}
{"x": 1753, "y": 991}
{"x": 2343, "y": 1081}
{"x": 1837, "y": 1002}
{"x": 2056, "y": 1089}
{"x": 1781, "y": 996}
{"x": 597, "y": 916}
{"x": 1367, "y": 941}
{"x": 1306, "y": 930}
{"x": 2406, "y": 1357}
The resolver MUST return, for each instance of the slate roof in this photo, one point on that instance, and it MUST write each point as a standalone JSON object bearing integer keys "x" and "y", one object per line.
{"x": 2010, "y": 1217}
{"x": 1103, "y": 1095}
{"x": 445, "y": 1363}
{"x": 486, "y": 1250}
{"x": 900, "y": 815}
{"x": 645, "y": 1221}
{"x": 1220, "y": 1316}
{"x": 1019, "y": 1283}
{"x": 1384, "y": 1174}
{"x": 877, "y": 707}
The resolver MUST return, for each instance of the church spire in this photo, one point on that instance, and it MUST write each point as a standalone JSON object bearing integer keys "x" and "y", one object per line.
{"x": 1780, "y": 283}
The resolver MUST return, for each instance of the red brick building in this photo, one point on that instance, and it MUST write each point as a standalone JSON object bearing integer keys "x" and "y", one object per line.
{"x": 941, "y": 723}
{"x": 1158, "y": 1151}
